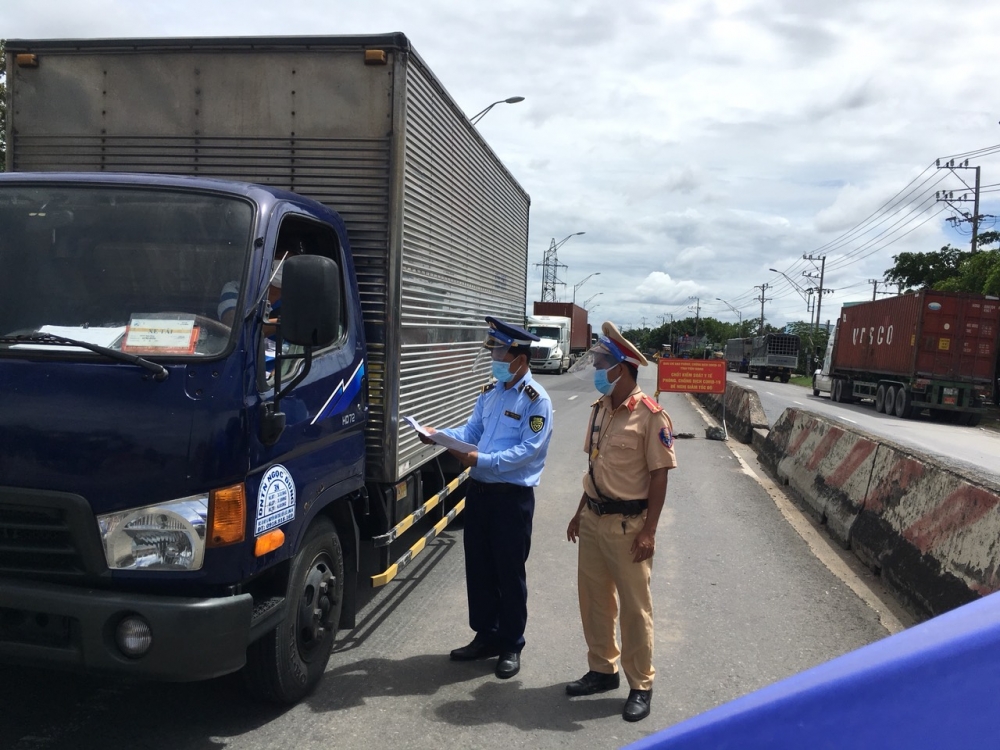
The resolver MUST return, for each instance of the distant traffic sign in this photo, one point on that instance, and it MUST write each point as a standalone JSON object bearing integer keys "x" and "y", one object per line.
{"x": 691, "y": 375}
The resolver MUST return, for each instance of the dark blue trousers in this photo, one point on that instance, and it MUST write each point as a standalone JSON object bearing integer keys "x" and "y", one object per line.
{"x": 497, "y": 542}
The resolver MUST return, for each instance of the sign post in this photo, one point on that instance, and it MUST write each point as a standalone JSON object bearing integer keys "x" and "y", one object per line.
{"x": 693, "y": 376}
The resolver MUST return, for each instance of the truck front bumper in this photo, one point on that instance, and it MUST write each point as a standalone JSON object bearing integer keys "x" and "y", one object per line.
{"x": 66, "y": 627}
{"x": 545, "y": 365}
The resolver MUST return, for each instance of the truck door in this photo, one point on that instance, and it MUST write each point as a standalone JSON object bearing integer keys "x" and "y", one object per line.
{"x": 321, "y": 449}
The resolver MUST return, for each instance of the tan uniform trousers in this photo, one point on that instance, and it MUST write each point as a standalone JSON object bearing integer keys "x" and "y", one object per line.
{"x": 605, "y": 567}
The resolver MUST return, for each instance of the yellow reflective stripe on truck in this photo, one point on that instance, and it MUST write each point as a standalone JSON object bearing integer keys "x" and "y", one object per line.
{"x": 399, "y": 528}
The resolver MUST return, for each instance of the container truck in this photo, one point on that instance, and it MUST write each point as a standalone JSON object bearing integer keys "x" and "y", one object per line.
{"x": 175, "y": 502}
{"x": 738, "y": 353}
{"x": 579, "y": 335}
{"x": 927, "y": 350}
{"x": 552, "y": 352}
{"x": 774, "y": 356}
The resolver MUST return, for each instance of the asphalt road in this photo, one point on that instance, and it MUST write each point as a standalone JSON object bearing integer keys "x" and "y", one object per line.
{"x": 741, "y": 601}
{"x": 971, "y": 447}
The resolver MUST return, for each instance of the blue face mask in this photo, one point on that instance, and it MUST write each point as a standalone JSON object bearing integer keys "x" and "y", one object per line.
{"x": 501, "y": 371}
{"x": 602, "y": 383}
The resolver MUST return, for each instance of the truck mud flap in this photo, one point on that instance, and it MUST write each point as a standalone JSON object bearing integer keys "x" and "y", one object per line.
{"x": 388, "y": 538}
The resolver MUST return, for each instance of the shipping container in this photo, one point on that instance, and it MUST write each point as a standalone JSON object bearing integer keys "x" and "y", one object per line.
{"x": 579, "y": 339}
{"x": 926, "y": 350}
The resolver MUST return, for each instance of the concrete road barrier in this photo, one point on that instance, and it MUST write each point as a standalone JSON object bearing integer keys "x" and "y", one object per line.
{"x": 932, "y": 531}
{"x": 830, "y": 468}
{"x": 743, "y": 410}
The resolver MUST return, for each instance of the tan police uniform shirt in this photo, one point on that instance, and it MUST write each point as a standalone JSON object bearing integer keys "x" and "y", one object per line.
{"x": 626, "y": 444}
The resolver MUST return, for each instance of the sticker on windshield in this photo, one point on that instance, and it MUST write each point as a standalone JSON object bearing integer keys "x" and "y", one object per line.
{"x": 160, "y": 336}
{"x": 275, "y": 500}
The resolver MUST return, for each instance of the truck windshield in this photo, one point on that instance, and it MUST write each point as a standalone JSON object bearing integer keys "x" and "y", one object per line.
{"x": 544, "y": 332}
{"x": 152, "y": 272}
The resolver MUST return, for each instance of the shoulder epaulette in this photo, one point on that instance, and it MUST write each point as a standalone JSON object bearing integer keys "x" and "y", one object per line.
{"x": 488, "y": 388}
{"x": 652, "y": 405}
{"x": 532, "y": 393}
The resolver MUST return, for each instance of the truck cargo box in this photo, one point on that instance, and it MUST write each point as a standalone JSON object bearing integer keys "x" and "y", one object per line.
{"x": 438, "y": 226}
{"x": 927, "y": 334}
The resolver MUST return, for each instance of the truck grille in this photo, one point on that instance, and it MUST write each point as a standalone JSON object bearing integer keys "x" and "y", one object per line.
{"x": 539, "y": 352}
{"x": 49, "y": 536}
{"x": 37, "y": 540}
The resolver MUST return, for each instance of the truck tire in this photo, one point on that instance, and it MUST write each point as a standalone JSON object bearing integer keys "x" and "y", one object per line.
{"x": 287, "y": 663}
{"x": 815, "y": 389}
{"x": 880, "y": 399}
{"x": 904, "y": 404}
{"x": 786, "y": 377}
{"x": 836, "y": 390}
{"x": 974, "y": 419}
{"x": 890, "y": 400}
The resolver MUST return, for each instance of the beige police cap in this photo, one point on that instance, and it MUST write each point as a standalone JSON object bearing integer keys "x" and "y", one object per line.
{"x": 632, "y": 354}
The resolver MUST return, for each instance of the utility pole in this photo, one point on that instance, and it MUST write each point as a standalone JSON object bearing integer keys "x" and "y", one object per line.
{"x": 874, "y": 283}
{"x": 947, "y": 196}
{"x": 819, "y": 294}
{"x": 697, "y": 314}
{"x": 762, "y": 299}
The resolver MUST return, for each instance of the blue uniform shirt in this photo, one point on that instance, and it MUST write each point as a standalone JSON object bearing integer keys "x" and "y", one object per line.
{"x": 510, "y": 428}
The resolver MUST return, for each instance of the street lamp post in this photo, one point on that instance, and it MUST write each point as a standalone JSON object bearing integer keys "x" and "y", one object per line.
{"x": 577, "y": 286}
{"x": 590, "y": 298}
{"x": 480, "y": 115}
{"x": 803, "y": 293}
{"x": 738, "y": 313}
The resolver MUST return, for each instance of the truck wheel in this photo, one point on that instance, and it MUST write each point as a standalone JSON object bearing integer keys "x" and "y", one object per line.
{"x": 285, "y": 665}
{"x": 815, "y": 389}
{"x": 786, "y": 377}
{"x": 836, "y": 390}
{"x": 880, "y": 399}
{"x": 904, "y": 404}
{"x": 890, "y": 400}
{"x": 974, "y": 419}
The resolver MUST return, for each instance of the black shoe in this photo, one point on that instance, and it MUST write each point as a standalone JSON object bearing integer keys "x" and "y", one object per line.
{"x": 508, "y": 665}
{"x": 594, "y": 682}
{"x": 637, "y": 705}
{"x": 478, "y": 649}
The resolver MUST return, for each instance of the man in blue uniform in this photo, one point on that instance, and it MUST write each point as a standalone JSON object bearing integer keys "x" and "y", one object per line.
{"x": 510, "y": 427}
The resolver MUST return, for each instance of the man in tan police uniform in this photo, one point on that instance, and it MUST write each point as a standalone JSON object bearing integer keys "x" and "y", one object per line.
{"x": 629, "y": 443}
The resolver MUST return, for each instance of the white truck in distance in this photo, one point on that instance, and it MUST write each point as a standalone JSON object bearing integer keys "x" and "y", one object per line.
{"x": 552, "y": 353}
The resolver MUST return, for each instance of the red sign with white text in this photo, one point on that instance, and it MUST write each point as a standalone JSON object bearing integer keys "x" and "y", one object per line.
{"x": 691, "y": 375}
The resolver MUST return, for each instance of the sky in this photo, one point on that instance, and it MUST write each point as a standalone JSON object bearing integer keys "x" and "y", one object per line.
{"x": 698, "y": 144}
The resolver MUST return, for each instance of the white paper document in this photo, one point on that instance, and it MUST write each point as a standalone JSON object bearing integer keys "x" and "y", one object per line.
{"x": 446, "y": 440}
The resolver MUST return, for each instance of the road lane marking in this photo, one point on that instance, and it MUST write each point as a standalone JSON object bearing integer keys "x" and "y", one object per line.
{"x": 798, "y": 402}
{"x": 572, "y": 397}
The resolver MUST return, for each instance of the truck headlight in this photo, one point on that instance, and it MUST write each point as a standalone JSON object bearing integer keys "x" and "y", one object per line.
{"x": 557, "y": 353}
{"x": 167, "y": 536}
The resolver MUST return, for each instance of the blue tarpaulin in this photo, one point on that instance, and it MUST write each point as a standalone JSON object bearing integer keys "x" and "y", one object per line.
{"x": 936, "y": 685}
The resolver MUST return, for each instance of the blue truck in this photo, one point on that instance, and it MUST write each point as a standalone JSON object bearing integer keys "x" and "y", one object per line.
{"x": 231, "y": 266}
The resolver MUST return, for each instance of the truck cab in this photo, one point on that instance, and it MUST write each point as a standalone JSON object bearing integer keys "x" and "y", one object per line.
{"x": 552, "y": 352}
{"x": 822, "y": 377}
{"x": 183, "y": 447}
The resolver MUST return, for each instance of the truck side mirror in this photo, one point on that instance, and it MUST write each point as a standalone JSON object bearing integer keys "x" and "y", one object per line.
{"x": 310, "y": 301}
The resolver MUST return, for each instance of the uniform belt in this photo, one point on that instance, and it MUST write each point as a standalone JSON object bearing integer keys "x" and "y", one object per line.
{"x": 500, "y": 488}
{"x": 610, "y": 507}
